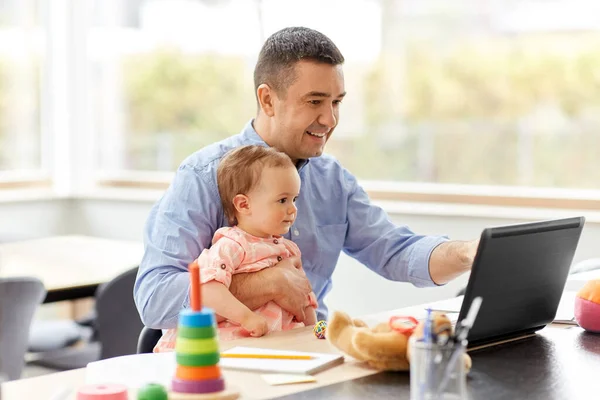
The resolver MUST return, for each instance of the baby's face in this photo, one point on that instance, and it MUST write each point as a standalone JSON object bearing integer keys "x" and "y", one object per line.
{"x": 272, "y": 202}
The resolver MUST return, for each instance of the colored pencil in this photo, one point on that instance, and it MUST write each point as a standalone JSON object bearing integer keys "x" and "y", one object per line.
{"x": 267, "y": 356}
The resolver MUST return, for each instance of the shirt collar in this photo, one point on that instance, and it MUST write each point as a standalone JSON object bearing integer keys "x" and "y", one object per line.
{"x": 250, "y": 134}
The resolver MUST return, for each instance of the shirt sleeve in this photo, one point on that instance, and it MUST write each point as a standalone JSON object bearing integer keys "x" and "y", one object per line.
{"x": 180, "y": 225}
{"x": 392, "y": 251}
{"x": 220, "y": 261}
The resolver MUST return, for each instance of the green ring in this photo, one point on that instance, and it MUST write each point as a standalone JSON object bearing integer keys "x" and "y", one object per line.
{"x": 190, "y": 332}
{"x": 197, "y": 360}
{"x": 196, "y": 346}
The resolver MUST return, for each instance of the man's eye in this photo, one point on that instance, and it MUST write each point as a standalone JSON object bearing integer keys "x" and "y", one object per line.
{"x": 315, "y": 102}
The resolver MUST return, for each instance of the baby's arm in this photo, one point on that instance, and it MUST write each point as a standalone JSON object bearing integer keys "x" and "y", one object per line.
{"x": 217, "y": 265}
{"x": 215, "y": 295}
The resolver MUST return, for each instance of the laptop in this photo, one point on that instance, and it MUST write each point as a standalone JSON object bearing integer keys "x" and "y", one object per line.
{"x": 520, "y": 271}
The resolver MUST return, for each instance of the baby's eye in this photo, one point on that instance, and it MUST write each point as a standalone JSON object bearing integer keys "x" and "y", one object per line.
{"x": 295, "y": 198}
{"x": 282, "y": 201}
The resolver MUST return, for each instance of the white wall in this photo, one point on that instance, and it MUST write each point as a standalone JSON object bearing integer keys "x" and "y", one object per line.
{"x": 34, "y": 218}
{"x": 356, "y": 289}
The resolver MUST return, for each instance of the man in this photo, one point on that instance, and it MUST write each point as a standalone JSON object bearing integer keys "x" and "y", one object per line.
{"x": 299, "y": 86}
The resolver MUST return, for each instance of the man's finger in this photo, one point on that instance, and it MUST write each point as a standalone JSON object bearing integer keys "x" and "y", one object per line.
{"x": 300, "y": 317}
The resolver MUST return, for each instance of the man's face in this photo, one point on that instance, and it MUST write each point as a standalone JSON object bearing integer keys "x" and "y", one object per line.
{"x": 308, "y": 112}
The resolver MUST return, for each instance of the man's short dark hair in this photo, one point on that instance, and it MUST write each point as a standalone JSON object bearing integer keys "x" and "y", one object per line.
{"x": 283, "y": 49}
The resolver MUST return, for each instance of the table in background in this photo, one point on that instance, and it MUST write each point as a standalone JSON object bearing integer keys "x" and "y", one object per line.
{"x": 70, "y": 267}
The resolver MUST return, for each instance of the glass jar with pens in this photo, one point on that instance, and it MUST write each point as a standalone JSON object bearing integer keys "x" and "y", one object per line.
{"x": 437, "y": 366}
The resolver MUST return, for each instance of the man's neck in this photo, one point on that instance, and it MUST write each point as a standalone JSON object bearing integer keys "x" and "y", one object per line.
{"x": 262, "y": 128}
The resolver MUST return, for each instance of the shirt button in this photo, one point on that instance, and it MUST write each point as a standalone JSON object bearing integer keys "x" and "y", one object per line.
{"x": 276, "y": 241}
{"x": 279, "y": 258}
{"x": 296, "y": 232}
{"x": 223, "y": 266}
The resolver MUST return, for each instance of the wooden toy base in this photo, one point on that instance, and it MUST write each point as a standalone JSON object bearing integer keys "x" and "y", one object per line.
{"x": 230, "y": 393}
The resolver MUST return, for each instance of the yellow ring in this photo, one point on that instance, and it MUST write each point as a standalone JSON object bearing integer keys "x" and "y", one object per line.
{"x": 196, "y": 346}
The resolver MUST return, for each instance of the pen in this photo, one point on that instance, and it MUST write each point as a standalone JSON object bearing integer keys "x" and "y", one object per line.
{"x": 268, "y": 356}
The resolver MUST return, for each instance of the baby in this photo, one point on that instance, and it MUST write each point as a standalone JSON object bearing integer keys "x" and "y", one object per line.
{"x": 258, "y": 188}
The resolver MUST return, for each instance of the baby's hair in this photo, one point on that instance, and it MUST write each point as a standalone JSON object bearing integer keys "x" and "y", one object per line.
{"x": 239, "y": 171}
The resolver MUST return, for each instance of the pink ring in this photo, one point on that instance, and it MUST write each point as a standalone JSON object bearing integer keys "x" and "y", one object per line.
{"x": 102, "y": 392}
{"x": 204, "y": 386}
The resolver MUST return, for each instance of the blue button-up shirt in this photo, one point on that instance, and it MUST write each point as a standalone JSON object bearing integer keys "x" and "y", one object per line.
{"x": 334, "y": 214}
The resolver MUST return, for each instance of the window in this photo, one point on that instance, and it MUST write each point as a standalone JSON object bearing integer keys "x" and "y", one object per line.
{"x": 462, "y": 92}
{"x": 22, "y": 61}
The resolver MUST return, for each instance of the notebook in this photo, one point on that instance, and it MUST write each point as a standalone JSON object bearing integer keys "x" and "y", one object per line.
{"x": 319, "y": 362}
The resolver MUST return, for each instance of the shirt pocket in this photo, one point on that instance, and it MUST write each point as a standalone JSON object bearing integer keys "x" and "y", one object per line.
{"x": 331, "y": 240}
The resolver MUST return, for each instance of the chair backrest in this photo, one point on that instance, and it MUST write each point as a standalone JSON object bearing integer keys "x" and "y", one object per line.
{"x": 19, "y": 299}
{"x": 148, "y": 339}
{"x": 118, "y": 321}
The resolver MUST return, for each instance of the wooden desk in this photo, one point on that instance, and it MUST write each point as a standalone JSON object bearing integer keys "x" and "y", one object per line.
{"x": 70, "y": 267}
{"x": 557, "y": 363}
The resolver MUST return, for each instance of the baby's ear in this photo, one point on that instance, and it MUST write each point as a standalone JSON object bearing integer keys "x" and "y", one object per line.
{"x": 241, "y": 204}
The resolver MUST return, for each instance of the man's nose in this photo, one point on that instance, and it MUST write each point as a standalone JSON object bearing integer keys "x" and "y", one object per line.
{"x": 328, "y": 118}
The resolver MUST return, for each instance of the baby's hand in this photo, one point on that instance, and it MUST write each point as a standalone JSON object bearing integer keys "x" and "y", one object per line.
{"x": 255, "y": 324}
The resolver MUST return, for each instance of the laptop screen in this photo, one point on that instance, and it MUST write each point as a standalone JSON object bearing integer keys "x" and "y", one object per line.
{"x": 520, "y": 271}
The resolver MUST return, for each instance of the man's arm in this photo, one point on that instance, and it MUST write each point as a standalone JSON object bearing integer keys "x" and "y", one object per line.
{"x": 180, "y": 225}
{"x": 395, "y": 252}
{"x": 451, "y": 259}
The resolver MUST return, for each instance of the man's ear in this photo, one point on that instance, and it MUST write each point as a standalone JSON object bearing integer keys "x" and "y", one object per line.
{"x": 241, "y": 204}
{"x": 266, "y": 97}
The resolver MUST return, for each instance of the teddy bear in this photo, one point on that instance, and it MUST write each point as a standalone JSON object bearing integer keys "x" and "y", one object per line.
{"x": 386, "y": 345}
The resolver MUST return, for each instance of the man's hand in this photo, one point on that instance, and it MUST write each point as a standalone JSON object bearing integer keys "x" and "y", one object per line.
{"x": 293, "y": 287}
{"x": 451, "y": 259}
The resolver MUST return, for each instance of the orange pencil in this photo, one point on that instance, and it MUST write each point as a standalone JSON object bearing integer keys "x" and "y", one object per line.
{"x": 267, "y": 356}
{"x": 195, "y": 291}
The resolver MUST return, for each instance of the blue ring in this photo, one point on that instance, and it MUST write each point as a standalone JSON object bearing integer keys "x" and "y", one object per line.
{"x": 197, "y": 319}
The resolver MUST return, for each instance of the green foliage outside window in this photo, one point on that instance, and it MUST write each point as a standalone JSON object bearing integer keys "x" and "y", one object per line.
{"x": 506, "y": 111}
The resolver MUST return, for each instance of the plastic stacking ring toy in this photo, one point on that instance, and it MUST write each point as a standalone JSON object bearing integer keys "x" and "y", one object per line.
{"x": 197, "y": 360}
{"x": 197, "y": 373}
{"x": 204, "y": 386}
{"x": 196, "y": 346}
{"x": 197, "y": 319}
{"x": 190, "y": 332}
{"x": 102, "y": 392}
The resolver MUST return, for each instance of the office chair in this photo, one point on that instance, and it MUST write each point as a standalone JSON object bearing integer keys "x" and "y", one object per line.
{"x": 19, "y": 299}
{"x": 116, "y": 328}
{"x": 118, "y": 322}
{"x": 148, "y": 339}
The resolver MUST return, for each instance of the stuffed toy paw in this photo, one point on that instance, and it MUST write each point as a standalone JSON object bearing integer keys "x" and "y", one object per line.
{"x": 386, "y": 345}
